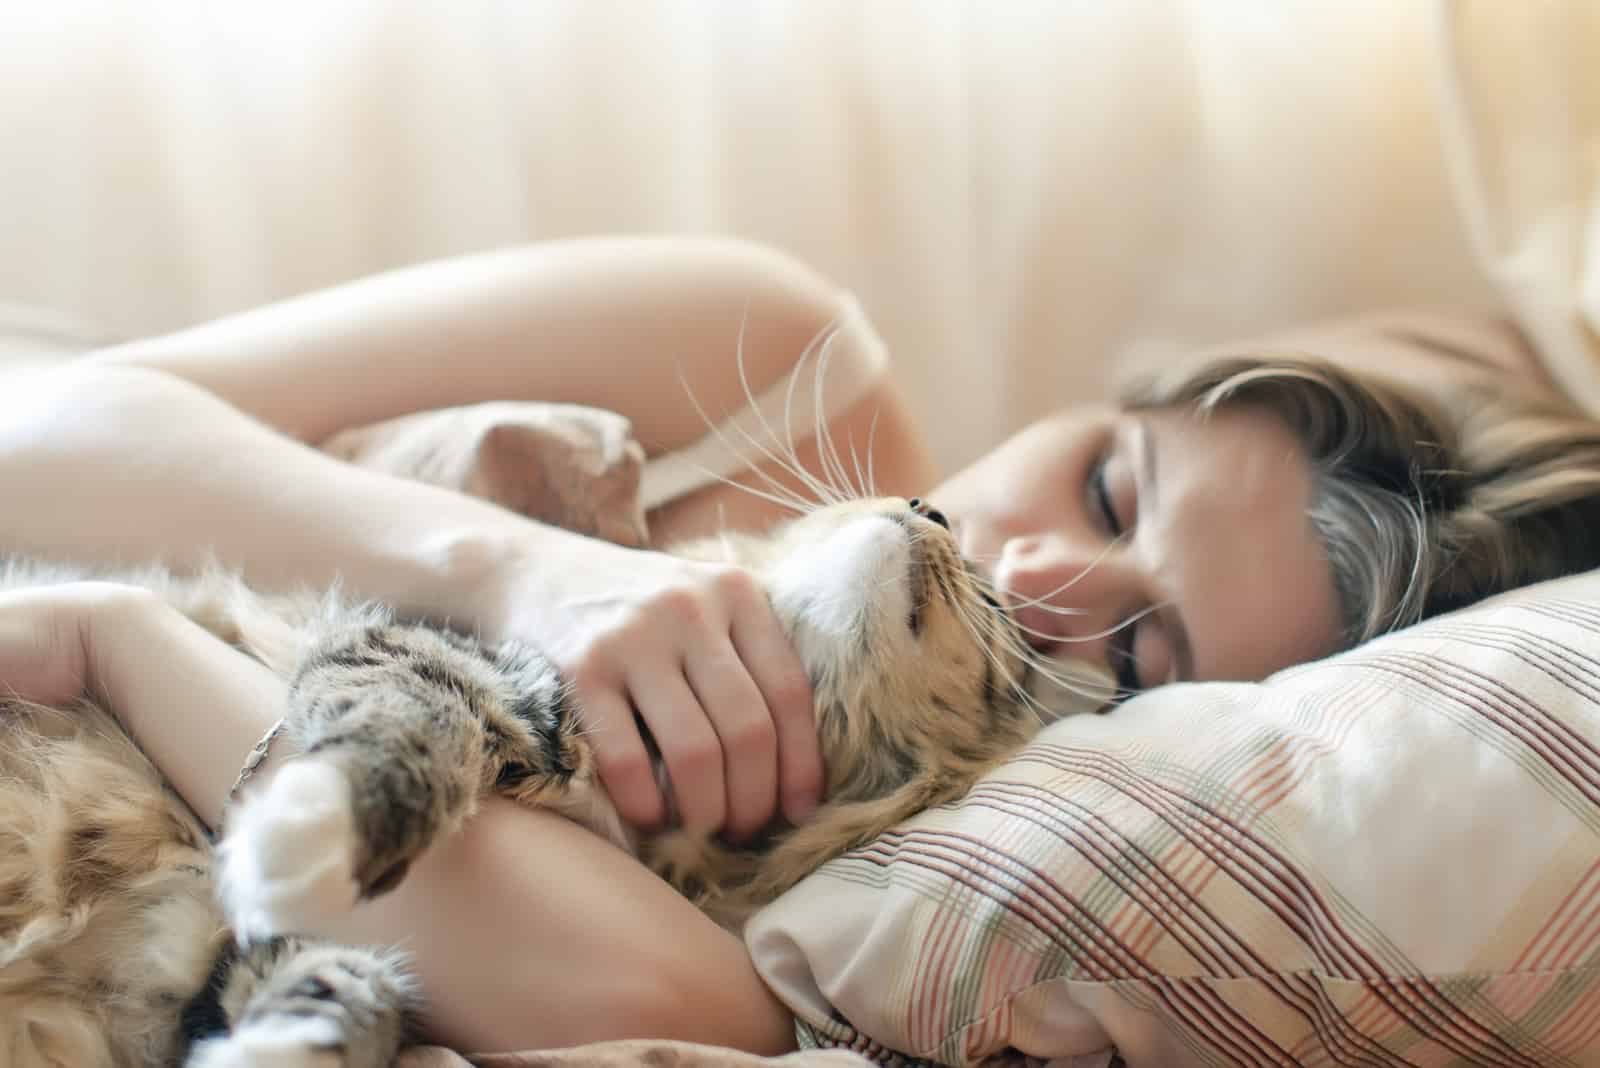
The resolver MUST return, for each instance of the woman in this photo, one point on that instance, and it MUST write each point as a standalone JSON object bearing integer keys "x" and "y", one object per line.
{"x": 1247, "y": 516}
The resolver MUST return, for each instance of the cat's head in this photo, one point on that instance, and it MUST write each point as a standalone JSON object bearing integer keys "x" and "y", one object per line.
{"x": 916, "y": 670}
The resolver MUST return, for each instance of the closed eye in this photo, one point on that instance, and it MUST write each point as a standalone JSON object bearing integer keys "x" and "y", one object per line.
{"x": 1120, "y": 651}
{"x": 1123, "y": 665}
{"x": 1102, "y": 496}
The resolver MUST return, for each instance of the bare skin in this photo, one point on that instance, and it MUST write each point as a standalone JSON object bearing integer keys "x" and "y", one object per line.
{"x": 213, "y": 475}
{"x": 1193, "y": 534}
{"x": 220, "y": 415}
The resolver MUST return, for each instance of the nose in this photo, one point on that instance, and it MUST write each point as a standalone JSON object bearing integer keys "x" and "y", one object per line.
{"x": 1066, "y": 594}
{"x": 928, "y": 512}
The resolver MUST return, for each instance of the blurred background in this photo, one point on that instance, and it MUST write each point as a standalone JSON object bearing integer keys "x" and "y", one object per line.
{"x": 1028, "y": 198}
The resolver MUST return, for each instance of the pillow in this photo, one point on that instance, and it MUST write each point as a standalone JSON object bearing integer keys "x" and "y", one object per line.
{"x": 1391, "y": 856}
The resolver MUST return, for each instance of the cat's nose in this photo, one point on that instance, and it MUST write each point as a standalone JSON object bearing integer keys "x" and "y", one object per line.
{"x": 928, "y": 512}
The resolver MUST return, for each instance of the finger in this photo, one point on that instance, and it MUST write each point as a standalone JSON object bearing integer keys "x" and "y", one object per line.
{"x": 689, "y": 747}
{"x": 776, "y": 669}
{"x": 749, "y": 741}
{"x": 619, "y": 753}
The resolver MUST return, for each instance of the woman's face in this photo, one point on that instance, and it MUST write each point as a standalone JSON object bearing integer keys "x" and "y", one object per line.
{"x": 1195, "y": 529}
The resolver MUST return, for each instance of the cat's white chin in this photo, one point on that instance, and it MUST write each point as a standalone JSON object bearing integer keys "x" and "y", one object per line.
{"x": 847, "y": 592}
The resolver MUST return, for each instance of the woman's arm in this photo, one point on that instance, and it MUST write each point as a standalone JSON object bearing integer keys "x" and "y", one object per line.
{"x": 526, "y": 930}
{"x": 618, "y": 323}
{"x": 117, "y": 466}
{"x": 126, "y": 465}
{"x": 648, "y": 327}
{"x": 185, "y": 474}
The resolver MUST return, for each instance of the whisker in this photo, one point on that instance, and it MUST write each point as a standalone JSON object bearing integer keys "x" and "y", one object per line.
{"x": 855, "y": 459}
{"x": 992, "y": 590}
{"x": 788, "y": 501}
{"x": 762, "y": 451}
{"x": 1008, "y": 632}
{"x": 792, "y": 463}
{"x": 1048, "y": 609}
{"x": 872, "y": 433}
{"x": 816, "y": 484}
{"x": 1096, "y": 636}
{"x": 777, "y": 491}
{"x": 1040, "y": 712}
{"x": 989, "y": 629}
{"x": 832, "y": 466}
{"x": 1071, "y": 582}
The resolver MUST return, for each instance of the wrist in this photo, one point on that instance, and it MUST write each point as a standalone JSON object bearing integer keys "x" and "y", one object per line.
{"x": 115, "y": 622}
{"x": 483, "y": 576}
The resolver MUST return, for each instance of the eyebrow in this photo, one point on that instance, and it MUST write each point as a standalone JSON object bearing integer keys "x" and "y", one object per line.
{"x": 1171, "y": 619}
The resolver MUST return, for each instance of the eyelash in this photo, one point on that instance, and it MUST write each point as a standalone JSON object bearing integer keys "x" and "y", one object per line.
{"x": 1127, "y": 673}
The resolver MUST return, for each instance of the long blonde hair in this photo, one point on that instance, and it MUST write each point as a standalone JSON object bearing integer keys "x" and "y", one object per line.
{"x": 1422, "y": 505}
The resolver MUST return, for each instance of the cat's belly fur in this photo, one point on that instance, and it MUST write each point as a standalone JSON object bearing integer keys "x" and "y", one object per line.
{"x": 107, "y": 920}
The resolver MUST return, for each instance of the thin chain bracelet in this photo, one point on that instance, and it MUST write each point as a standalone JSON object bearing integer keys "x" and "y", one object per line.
{"x": 253, "y": 761}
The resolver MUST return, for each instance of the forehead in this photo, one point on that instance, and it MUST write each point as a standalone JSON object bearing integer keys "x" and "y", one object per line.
{"x": 1227, "y": 539}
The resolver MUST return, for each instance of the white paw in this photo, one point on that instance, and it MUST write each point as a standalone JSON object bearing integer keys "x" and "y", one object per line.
{"x": 287, "y": 863}
{"x": 276, "y": 1042}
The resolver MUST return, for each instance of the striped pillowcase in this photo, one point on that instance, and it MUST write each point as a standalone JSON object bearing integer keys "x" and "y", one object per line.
{"x": 1388, "y": 857}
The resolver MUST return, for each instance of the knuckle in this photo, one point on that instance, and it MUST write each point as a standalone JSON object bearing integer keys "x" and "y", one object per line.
{"x": 683, "y": 605}
{"x": 623, "y": 765}
{"x": 791, "y": 694}
{"x": 694, "y": 759}
{"x": 589, "y": 676}
{"x": 736, "y": 583}
{"x": 751, "y": 739}
{"x": 803, "y": 777}
{"x": 710, "y": 819}
{"x": 642, "y": 808}
{"x": 587, "y": 657}
{"x": 741, "y": 824}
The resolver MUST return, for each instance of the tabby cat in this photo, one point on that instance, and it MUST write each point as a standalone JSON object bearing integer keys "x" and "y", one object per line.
{"x": 126, "y": 939}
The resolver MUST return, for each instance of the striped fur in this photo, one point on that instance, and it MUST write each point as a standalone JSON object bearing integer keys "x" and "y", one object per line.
{"x": 402, "y": 728}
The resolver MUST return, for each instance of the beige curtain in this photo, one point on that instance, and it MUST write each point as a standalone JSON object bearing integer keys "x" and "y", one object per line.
{"x": 1521, "y": 87}
{"x": 1025, "y": 195}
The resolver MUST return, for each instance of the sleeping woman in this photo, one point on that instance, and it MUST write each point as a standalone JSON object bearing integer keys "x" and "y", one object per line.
{"x": 1256, "y": 508}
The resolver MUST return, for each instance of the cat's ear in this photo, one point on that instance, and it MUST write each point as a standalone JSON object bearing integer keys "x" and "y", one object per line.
{"x": 839, "y": 827}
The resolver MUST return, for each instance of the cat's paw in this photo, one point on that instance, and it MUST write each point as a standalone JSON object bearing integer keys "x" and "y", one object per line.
{"x": 274, "y": 1043}
{"x": 298, "y": 1004}
{"x": 288, "y": 862}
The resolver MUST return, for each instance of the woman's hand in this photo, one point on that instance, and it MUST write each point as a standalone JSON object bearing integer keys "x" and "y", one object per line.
{"x": 694, "y": 649}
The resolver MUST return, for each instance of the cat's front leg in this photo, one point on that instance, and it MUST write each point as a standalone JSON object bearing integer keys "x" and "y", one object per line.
{"x": 293, "y": 1004}
{"x": 401, "y": 729}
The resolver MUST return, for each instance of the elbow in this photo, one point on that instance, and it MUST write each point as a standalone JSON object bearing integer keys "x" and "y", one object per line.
{"x": 785, "y": 287}
{"x": 789, "y": 315}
